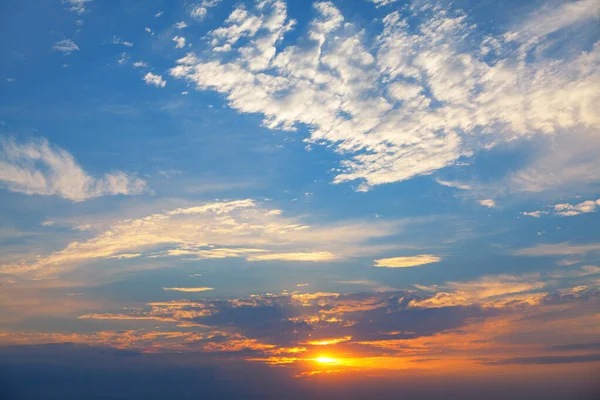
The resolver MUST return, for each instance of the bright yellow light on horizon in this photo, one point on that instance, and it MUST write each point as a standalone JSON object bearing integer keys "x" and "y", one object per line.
{"x": 326, "y": 360}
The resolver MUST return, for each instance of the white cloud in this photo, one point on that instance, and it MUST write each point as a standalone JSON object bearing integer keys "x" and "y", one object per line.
{"x": 567, "y": 209}
{"x": 117, "y": 40}
{"x": 555, "y": 15}
{"x": 453, "y": 184}
{"x": 534, "y": 214}
{"x": 407, "y": 262}
{"x": 189, "y": 290}
{"x": 488, "y": 203}
{"x": 179, "y": 42}
{"x": 417, "y": 100}
{"x": 156, "y": 80}
{"x": 77, "y": 6}
{"x": 66, "y": 46}
{"x": 140, "y": 64}
{"x": 158, "y": 14}
{"x": 181, "y": 25}
{"x": 38, "y": 168}
{"x": 199, "y": 12}
{"x": 241, "y": 228}
{"x": 381, "y": 3}
{"x": 10, "y": 80}
{"x": 312, "y": 256}
{"x": 123, "y": 58}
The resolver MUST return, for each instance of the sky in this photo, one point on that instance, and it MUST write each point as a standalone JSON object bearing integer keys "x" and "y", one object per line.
{"x": 297, "y": 199}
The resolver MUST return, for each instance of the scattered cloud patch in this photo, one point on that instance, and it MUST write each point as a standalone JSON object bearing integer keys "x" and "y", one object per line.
{"x": 179, "y": 42}
{"x": 156, "y": 80}
{"x": 66, "y": 46}
{"x": 117, "y": 40}
{"x": 381, "y": 3}
{"x": 181, "y": 25}
{"x": 199, "y": 12}
{"x": 567, "y": 209}
{"x": 77, "y": 6}
{"x": 140, "y": 64}
{"x": 489, "y": 203}
{"x": 421, "y": 98}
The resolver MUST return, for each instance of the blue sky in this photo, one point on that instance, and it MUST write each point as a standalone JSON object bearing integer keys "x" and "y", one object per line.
{"x": 300, "y": 156}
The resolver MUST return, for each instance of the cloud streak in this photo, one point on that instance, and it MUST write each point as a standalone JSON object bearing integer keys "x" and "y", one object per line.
{"x": 407, "y": 262}
{"x": 37, "y": 167}
{"x": 188, "y": 289}
{"x": 239, "y": 228}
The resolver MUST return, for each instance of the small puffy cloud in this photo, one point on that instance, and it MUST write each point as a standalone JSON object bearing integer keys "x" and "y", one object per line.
{"x": 117, "y": 40}
{"x": 488, "y": 203}
{"x": 66, "y": 46}
{"x": 38, "y": 168}
{"x": 158, "y": 14}
{"x": 123, "y": 59}
{"x": 77, "y": 6}
{"x": 156, "y": 80}
{"x": 567, "y": 209}
{"x": 179, "y": 42}
{"x": 406, "y": 262}
{"x": 140, "y": 64}
{"x": 188, "y": 289}
{"x": 10, "y": 80}
{"x": 181, "y": 25}
{"x": 199, "y": 12}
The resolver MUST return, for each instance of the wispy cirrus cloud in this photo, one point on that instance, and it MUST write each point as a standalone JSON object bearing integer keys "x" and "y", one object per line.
{"x": 241, "y": 228}
{"x": 558, "y": 249}
{"x": 311, "y": 256}
{"x": 66, "y": 46}
{"x": 37, "y": 167}
{"x": 188, "y": 289}
{"x": 407, "y": 262}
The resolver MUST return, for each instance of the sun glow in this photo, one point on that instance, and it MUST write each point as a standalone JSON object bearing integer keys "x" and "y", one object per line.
{"x": 326, "y": 360}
